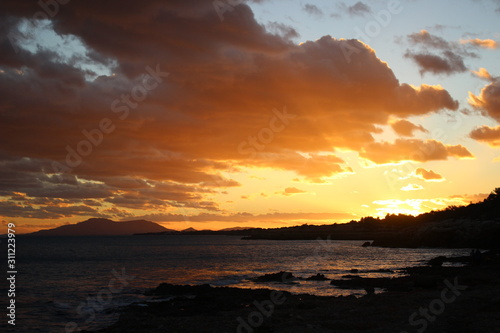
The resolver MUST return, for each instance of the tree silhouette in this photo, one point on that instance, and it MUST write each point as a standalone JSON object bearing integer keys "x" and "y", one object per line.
{"x": 494, "y": 195}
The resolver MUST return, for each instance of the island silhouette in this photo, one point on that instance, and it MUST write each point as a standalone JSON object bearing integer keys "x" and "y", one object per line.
{"x": 102, "y": 227}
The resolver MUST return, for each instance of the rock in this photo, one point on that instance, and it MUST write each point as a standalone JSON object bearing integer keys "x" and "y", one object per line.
{"x": 167, "y": 289}
{"x": 226, "y": 309}
{"x": 282, "y": 276}
{"x": 438, "y": 261}
{"x": 370, "y": 290}
{"x": 366, "y": 244}
{"x": 381, "y": 270}
{"x": 425, "y": 282}
{"x": 317, "y": 277}
{"x": 354, "y": 270}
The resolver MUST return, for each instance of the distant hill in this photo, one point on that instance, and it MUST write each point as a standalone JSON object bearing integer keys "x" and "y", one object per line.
{"x": 476, "y": 225}
{"x": 236, "y": 229}
{"x": 103, "y": 227}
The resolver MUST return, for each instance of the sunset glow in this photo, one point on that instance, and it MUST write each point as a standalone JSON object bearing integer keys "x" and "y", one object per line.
{"x": 186, "y": 115}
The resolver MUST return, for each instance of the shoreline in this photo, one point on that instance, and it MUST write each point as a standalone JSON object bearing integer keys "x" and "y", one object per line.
{"x": 431, "y": 298}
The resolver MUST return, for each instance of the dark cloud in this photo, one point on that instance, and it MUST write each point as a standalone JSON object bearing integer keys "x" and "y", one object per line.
{"x": 359, "y": 9}
{"x": 313, "y": 9}
{"x": 431, "y": 41}
{"x": 449, "y": 60}
{"x": 448, "y": 63}
{"x": 283, "y": 30}
{"x": 33, "y": 190}
{"x": 12, "y": 209}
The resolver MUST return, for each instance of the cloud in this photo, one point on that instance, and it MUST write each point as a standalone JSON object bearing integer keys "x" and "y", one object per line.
{"x": 313, "y": 10}
{"x": 484, "y": 43}
{"x": 291, "y": 191}
{"x": 450, "y": 59}
{"x": 281, "y": 29}
{"x": 482, "y": 73}
{"x": 341, "y": 132}
{"x": 35, "y": 194}
{"x": 488, "y": 100}
{"x": 313, "y": 167}
{"x": 431, "y": 41}
{"x": 412, "y": 187}
{"x": 487, "y": 134}
{"x": 358, "y": 9}
{"x": 224, "y": 81}
{"x": 425, "y": 39}
{"x": 118, "y": 213}
{"x": 406, "y": 128}
{"x": 413, "y": 150}
{"x": 13, "y": 209}
{"x": 438, "y": 27}
{"x": 448, "y": 63}
{"x": 428, "y": 175}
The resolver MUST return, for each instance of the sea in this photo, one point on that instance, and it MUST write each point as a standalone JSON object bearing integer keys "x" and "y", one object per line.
{"x": 67, "y": 284}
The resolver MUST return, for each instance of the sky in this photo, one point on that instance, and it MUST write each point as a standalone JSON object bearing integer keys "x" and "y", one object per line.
{"x": 264, "y": 113}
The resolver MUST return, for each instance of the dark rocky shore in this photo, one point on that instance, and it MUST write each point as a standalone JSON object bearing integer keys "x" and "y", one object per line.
{"x": 432, "y": 298}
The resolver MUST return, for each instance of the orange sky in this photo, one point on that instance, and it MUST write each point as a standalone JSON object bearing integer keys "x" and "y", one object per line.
{"x": 165, "y": 111}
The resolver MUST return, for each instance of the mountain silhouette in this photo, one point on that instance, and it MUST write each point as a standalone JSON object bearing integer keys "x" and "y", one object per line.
{"x": 189, "y": 230}
{"x": 102, "y": 227}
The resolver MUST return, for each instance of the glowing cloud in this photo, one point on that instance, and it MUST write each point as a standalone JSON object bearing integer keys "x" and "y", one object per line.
{"x": 428, "y": 175}
{"x": 482, "y": 73}
{"x": 484, "y": 43}
{"x": 413, "y": 150}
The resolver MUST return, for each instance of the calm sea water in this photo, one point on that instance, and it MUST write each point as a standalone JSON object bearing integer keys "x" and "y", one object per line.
{"x": 71, "y": 281}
